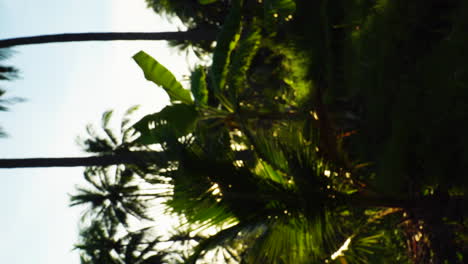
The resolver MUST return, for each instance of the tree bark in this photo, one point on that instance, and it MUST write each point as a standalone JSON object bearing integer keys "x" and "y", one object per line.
{"x": 191, "y": 35}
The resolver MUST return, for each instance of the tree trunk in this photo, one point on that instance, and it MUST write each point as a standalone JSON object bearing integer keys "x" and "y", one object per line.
{"x": 191, "y": 35}
{"x": 143, "y": 157}
{"x": 135, "y": 157}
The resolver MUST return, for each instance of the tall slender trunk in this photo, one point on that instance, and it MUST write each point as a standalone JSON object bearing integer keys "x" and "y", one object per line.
{"x": 190, "y": 35}
{"x": 133, "y": 157}
{"x": 139, "y": 157}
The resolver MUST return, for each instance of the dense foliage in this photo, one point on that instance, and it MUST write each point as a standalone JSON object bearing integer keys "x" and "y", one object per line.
{"x": 322, "y": 131}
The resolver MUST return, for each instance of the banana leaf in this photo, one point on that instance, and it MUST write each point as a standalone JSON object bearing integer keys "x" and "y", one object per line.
{"x": 173, "y": 122}
{"x": 157, "y": 73}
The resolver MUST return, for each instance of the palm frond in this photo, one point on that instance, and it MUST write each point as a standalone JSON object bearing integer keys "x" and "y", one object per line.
{"x": 106, "y": 117}
{"x": 221, "y": 238}
{"x": 241, "y": 61}
{"x": 292, "y": 238}
{"x": 115, "y": 197}
{"x": 198, "y": 86}
{"x": 225, "y": 43}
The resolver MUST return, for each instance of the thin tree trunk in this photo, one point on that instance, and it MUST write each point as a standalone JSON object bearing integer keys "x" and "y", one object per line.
{"x": 135, "y": 157}
{"x": 191, "y": 35}
{"x": 104, "y": 160}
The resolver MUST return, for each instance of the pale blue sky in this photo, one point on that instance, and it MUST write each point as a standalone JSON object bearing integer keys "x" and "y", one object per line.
{"x": 67, "y": 86}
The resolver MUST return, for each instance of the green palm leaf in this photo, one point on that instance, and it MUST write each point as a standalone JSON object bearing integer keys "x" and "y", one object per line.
{"x": 195, "y": 196}
{"x": 242, "y": 59}
{"x": 225, "y": 44}
{"x": 293, "y": 238}
{"x": 223, "y": 237}
{"x": 157, "y": 73}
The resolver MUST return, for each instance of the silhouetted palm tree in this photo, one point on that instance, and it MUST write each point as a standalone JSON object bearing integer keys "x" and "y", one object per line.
{"x": 103, "y": 244}
{"x": 106, "y": 244}
{"x": 114, "y": 196}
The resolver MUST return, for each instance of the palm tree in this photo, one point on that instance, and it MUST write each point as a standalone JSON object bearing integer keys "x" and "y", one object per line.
{"x": 116, "y": 192}
{"x": 284, "y": 186}
{"x": 100, "y": 243}
{"x": 280, "y": 203}
{"x": 280, "y": 211}
{"x": 296, "y": 198}
{"x": 191, "y": 35}
{"x": 114, "y": 197}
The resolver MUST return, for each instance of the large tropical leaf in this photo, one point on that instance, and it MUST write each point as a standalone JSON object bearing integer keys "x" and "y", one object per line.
{"x": 173, "y": 122}
{"x": 157, "y": 73}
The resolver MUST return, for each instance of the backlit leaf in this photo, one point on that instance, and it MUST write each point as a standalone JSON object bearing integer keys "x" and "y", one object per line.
{"x": 157, "y": 73}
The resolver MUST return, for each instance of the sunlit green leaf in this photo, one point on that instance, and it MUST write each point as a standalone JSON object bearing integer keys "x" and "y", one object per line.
{"x": 157, "y": 73}
{"x": 263, "y": 169}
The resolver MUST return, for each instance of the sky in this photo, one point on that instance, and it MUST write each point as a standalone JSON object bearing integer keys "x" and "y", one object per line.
{"x": 67, "y": 86}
